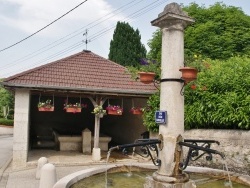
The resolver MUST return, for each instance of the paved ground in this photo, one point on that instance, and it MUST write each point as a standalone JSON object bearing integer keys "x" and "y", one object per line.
{"x": 65, "y": 162}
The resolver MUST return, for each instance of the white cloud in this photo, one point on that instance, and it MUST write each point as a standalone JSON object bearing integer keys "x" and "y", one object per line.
{"x": 31, "y": 15}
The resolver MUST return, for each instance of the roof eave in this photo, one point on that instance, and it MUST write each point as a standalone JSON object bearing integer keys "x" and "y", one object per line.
{"x": 94, "y": 90}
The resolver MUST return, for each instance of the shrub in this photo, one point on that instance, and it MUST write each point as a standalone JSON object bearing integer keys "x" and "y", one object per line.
{"x": 7, "y": 122}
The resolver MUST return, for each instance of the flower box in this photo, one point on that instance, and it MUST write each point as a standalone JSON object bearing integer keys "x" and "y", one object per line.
{"x": 45, "y": 109}
{"x": 136, "y": 111}
{"x": 73, "y": 110}
{"x": 114, "y": 110}
{"x": 45, "y": 106}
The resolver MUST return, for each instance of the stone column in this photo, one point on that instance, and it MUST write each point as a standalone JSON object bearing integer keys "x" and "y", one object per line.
{"x": 21, "y": 128}
{"x": 172, "y": 22}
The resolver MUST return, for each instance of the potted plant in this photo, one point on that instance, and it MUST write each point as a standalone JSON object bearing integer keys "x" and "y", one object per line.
{"x": 114, "y": 110}
{"x": 136, "y": 110}
{"x": 45, "y": 106}
{"x": 74, "y": 108}
{"x": 193, "y": 65}
{"x": 148, "y": 71}
{"x": 99, "y": 111}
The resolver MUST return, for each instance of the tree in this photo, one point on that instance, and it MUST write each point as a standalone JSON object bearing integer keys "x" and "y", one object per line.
{"x": 219, "y": 32}
{"x": 6, "y": 102}
{"x": 126, "y": 47}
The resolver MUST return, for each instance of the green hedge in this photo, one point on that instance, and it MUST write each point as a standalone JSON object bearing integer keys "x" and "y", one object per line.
{"x": 8, "y": 122}
{"x": 218, "y": 99}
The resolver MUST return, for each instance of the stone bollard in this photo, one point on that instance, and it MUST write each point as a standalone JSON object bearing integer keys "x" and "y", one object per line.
{"x": 48, "y": 176}
{"x": 42, "y": 161}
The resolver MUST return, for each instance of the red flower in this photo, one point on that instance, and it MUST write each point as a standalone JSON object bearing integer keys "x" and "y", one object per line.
{"x": 193, "y": 86}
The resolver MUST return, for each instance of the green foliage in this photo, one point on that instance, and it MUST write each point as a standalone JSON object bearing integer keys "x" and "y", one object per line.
{"x": 218, "y": 99}
{"x": 7, "y": 122}
{"x": 145, "y": 66}
{"x": 219, "y": 32}
{"x": 6, "y": 100}
{"x": 155, "y": 46}
{"x": 153, "y": 104}
{"x": 126, "y": 47}
{"x": 221, "y": 96}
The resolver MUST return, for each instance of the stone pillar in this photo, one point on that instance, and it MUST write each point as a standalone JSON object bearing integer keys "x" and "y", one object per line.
{"x": 96, "y": 154}
{"x": 172, "y": 22}
{"x": 21, "y": 128}
{"x": 86, "y": 141}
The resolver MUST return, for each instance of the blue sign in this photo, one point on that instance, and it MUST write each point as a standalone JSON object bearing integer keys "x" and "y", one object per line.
{"x": 160, "y": 117}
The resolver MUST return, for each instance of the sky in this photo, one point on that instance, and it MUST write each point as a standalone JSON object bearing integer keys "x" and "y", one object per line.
{"x": 21, "y": 18}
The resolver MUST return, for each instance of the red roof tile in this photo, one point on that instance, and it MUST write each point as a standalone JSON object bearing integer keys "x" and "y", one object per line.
{"x": 84, "y": 71}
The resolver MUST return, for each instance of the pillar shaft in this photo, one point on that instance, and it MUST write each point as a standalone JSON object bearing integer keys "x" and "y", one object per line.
{"x": 172, "y": 22}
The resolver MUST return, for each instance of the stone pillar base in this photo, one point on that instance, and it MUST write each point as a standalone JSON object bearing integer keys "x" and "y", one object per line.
{"x": 151, "y": 183}
{"x": 96, "y": 154}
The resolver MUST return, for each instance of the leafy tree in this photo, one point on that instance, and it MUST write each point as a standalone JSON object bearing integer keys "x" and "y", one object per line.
{"x": 219, "y": 32}
{"x": 155, "y": 46}
{"x": 126, "y": 47}
{"x": 6, "y": 101}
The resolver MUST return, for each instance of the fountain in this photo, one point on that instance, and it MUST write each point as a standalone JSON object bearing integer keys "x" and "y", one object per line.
{"x": 169, "y": 160}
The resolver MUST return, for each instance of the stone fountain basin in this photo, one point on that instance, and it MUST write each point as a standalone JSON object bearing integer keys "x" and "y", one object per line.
{"x": 71, "y": 179}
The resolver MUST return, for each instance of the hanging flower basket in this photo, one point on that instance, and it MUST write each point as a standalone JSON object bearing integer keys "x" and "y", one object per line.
{"x": 45, "y": 109}
{"x": 136, "y": 111}
{"x": 146, "y": 77}
{"x": 45, "y": 106}
{"x": 98, "y": 111}
{"x": 114, "y": 110}
{"x": 189, "y": 74}
{"x": 74, "y": 108}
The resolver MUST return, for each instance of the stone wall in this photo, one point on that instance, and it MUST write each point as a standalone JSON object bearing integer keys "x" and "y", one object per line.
{"x": 233, "y": 143}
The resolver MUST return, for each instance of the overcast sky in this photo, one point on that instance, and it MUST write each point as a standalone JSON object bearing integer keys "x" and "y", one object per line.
{"x": 21, "y": 18}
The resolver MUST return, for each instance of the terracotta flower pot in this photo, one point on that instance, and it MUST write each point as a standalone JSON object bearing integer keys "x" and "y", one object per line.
{"x": 45, "y": 109}
{"x": 189, "y": 74}
{"x": 146, "y": 77}
{"x": 73, "y": 110}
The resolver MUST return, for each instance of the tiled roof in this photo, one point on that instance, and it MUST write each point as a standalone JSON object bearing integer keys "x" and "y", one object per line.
{"x": 84, "y": 71}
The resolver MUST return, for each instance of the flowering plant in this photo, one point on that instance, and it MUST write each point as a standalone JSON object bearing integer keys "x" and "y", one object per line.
{"x": 98, "y": 110}
{"x": 76, "y": 105}
{"x": 117, "y": 108}
{"x": 145, "y": 66}
{"x": 46, "y": 104}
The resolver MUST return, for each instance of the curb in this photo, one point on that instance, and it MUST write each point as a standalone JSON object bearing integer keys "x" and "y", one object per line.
{"x": 4, "y": 167}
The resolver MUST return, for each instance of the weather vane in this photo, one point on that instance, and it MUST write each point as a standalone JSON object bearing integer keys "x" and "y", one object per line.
{"x": 86, "y": 38}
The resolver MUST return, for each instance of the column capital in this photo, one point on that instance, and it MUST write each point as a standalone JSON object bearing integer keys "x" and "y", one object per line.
{"x": 172, "y": 17}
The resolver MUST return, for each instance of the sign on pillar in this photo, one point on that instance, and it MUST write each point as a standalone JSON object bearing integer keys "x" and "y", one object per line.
{"x": 161, "y": 117}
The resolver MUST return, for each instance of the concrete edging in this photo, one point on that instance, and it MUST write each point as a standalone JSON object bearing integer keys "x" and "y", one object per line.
{"x": 70, "y": 179}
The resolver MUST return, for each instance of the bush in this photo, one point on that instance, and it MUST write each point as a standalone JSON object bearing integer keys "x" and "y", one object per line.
{"x": 7, "y": 122}
{"x": 221, "y": 96}
{"x": 218, "y": 99}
